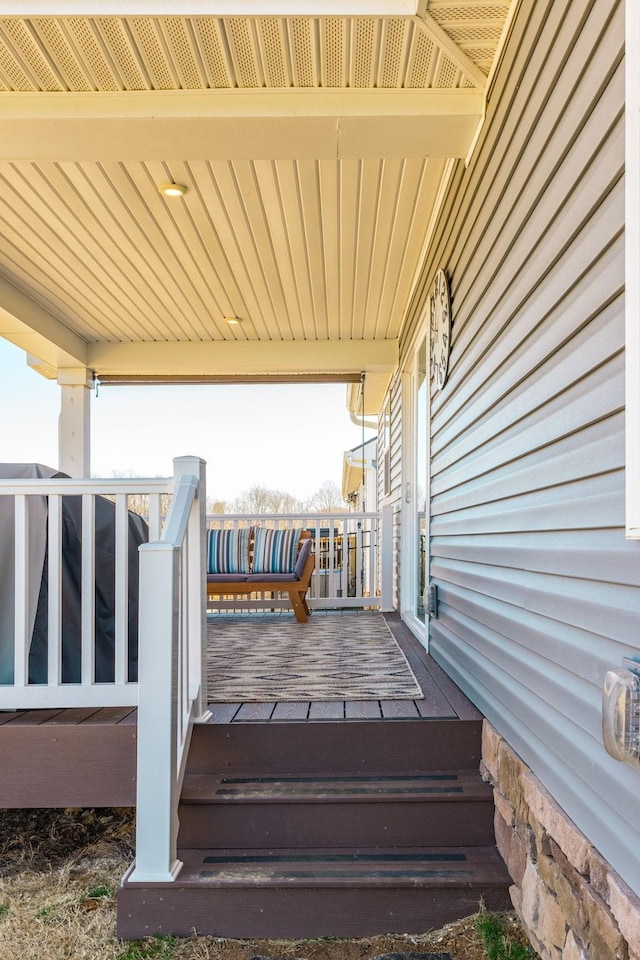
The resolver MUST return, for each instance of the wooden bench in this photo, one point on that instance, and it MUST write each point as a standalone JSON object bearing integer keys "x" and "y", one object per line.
{"x": 294, "y": 584}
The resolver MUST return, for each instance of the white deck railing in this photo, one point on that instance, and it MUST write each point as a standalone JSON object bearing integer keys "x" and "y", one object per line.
{"x": 42, "y": 510}
{"x": 171, "y": 694}
{"x": 350, "y": 569}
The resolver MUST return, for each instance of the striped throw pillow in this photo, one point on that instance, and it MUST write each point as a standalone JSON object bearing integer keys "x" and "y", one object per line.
{"x": 228, "y": 551}
{"x": 275, "y": 551}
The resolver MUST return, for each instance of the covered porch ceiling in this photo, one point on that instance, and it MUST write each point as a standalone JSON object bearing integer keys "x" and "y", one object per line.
{"x": 315, "y": 140}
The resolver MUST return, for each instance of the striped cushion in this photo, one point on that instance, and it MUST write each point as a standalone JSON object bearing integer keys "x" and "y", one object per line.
{"x": 228, "y": 551}
{"x": 275, "y": 551}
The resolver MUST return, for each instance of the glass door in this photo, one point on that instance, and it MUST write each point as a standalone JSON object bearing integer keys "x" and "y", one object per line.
{"x": 420, "y": 482}
{"x": 415, "y": 559}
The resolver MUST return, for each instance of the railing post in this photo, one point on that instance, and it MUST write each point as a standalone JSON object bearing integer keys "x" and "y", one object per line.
{"x": 386, "y": 559}
{"x": 196, "y": 588}
{"x": 157, "y": 820}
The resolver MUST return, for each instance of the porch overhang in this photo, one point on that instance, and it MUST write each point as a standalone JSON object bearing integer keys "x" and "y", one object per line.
{"x": 314, "y": 141}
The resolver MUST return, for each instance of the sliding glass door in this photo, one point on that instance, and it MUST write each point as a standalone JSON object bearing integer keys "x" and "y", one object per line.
{"x": 415, "y": 507}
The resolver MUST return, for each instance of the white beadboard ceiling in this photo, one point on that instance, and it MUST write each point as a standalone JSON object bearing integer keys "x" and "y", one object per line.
{"x": 314, "y": 150}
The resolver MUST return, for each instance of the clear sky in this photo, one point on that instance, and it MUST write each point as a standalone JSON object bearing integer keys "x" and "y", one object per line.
{"x": 288, "y": 437}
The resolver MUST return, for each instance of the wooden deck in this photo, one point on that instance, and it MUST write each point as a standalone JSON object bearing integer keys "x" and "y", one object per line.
{"x": 86, "y": 757}
{"x": 442, "y": 698}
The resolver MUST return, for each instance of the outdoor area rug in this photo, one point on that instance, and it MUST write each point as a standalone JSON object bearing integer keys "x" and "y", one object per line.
{"x": 331, "y": 657}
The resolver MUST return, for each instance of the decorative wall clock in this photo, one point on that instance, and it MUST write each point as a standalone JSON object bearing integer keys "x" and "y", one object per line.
{"x": 440, "y": 303}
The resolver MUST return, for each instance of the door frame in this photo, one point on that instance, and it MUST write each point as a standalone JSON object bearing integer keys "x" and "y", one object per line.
{"x": 409, "y": 575}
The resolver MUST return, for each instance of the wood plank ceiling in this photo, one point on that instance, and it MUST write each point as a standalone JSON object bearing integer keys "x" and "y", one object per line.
{"x": 313, "y": 148}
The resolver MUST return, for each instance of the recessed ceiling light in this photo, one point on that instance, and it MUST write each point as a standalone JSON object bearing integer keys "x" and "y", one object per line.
{"x": 232, "y": 320}
{"x": 172, "y": 189}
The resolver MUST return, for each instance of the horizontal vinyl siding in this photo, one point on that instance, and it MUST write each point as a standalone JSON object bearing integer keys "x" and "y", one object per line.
{"x": 539, "y": 591}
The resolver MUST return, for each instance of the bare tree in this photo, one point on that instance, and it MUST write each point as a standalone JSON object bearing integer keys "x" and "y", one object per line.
{"x": 139, "y": 502}
{"x": 328, "y": 499}
{"x": 257, "y": 499}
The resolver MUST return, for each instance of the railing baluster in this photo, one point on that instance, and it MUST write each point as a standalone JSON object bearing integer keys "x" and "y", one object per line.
{"x": 371, "y": 554}
{"x": 331, "y": 569}
{"x": 88, "y": 590}
{"x": 154, "y": 516}
{"x": 358, "y": 559}
{"x": 21, "y": 594}
{"x": 121, "y": 589}
{"x": 54, "y": 597}
{"x": 345, "y": 557}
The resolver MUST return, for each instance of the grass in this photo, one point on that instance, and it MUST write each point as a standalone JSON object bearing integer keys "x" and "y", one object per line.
{"x": 155, "y": 948}
{"x": 497, "y": 931}
{"x": 61, "y": 870}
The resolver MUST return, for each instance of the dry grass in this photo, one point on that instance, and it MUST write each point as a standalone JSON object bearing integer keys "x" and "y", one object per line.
{"x": 60, "y": 871}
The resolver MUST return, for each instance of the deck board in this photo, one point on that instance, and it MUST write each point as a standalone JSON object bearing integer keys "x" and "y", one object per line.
{"x": 327, "y": 710}
{"x": 288, "y": 710}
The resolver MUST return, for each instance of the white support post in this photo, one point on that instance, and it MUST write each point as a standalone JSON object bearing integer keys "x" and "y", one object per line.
{"x": 196, "y": 590}
{"x": 74, "y": 427}
{"x": 157, "y": 826}
{"x": 386, "y": 559}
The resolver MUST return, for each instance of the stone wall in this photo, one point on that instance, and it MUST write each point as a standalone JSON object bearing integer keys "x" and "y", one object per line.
{"x": 572, "y": 903}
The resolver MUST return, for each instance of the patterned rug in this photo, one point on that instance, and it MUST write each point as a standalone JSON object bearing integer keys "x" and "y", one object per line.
{"x": 331, "y": 657}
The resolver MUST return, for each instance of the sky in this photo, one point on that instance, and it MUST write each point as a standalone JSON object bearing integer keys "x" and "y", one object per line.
{"x": 288, "y": 437}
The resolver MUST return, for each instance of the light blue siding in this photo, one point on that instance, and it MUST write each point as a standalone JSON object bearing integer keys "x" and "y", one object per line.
{"x": 539, "y": 590}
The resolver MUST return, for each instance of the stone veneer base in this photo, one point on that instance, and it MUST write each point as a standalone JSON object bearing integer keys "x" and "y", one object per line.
{"x": 573, "y": 905}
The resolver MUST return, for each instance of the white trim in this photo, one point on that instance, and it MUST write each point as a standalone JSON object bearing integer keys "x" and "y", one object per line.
{"x": 201, "y": 8}
{"x": 632, "y": 269}
{"x": 418, "y": 629}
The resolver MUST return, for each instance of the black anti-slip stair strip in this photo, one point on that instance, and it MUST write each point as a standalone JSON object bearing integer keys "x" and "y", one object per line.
{"x": 370, "y": 779}
{"x": 341, "y": 791}
{"x": 360, "y": 874}
{"x": 340, "y": 858}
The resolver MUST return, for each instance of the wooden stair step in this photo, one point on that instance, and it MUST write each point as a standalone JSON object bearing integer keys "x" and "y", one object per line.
{"x": 316, "y": 892}
{"x": 347, "y": 747}
{"x": 344, "y": 811}
{"x": 447, "y": 786}
{"x": 321, "y": 867}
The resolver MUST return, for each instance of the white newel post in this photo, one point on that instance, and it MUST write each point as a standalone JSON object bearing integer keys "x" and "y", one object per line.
{"x": 386, "y": 559}
{"x": 74, "y": 427}
{"x": 196, "y": 590}
{"x": 157, "y": 821}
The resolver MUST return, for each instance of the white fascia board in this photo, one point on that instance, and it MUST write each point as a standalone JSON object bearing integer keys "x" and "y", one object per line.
{"x": 208, "y": 8}
{"x": 229, "y": 358}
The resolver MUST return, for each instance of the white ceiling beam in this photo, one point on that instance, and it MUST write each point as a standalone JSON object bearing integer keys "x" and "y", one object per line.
{"x": 243, "y": 357}
{"x": 238, "y": 125}
{"x": 32, "y": 328}
{"x": 202, "y": 8}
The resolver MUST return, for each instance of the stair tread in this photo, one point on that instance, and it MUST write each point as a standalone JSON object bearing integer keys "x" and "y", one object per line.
{"x": 441, "y": 786}
{"x": 471, "y": 866}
